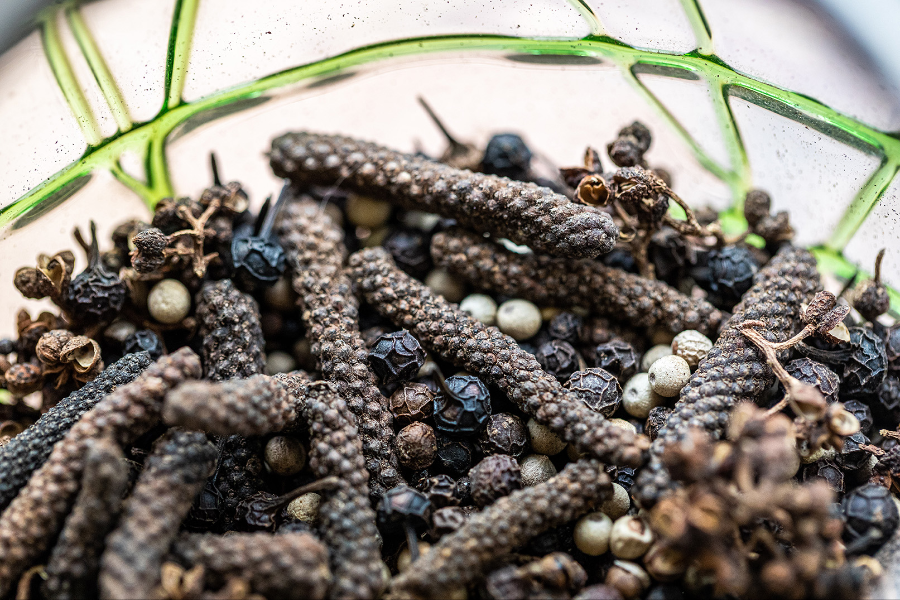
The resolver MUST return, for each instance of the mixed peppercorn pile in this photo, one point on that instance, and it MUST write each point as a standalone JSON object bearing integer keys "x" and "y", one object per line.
{"x": 454, "y": 378}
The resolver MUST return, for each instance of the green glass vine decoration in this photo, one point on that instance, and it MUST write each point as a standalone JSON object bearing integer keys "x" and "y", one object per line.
{"x": 175, "y": 117}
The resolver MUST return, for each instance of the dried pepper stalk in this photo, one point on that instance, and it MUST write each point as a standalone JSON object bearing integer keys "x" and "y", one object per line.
{"x": 315, "y": 252}
{"x": 229, "y": 327}
{"x": 280, "y": 567}
{"x": 348, "y": 521}
{"x": 254, "y": 406}
{"x": 545, "y": 280}
{"x": 523, "y": 212}
{"x": 35, "y": 516}
{"x": 495, "y": 357}
{"x": 75, "y": 561}
{"x": 173, "y": 476}
{"x": 462, "y": 556}
{"x": 735, "y": 370}
{"x": 26, "y": 452}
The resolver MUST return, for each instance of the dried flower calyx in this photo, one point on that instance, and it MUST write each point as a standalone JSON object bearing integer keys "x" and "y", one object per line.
{"x": 62, "y": 352}
{"x": 50, "y": 278}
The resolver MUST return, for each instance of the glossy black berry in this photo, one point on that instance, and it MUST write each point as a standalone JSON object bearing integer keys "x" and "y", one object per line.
{"x": 396, "y": 356}
{"x": 454, "y": 455}
{"x": 504, "y": 434}
{"x": 616, "y": 356}
{"x": 463, "y": 406}
{"x": 852, "y": 457}
{"x": 816, "y": 374}
{"x": 507, "y": 155}
{"x": 565, "y": 326}
{"x": 258, "y": 258}
{"x": 558, "y": 358}
{"x": 440, "y": 490}
{"x": 400, "y": 504}
{"x": 870, "y": 517}
{"x": 144, "y": 340}
{"x": 410, "y": 250}
{"x": 95, "y": 295}
{"x": 827, "y": 470}
{"x": 862, "y": 412}
{"x": 598, "y": 389}
{"x": 865, "y": 369}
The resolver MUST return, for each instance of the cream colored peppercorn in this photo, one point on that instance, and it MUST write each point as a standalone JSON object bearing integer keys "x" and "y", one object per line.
{"x": 285, "y": 455}
{"x": 654, "y": 354}
{"x": 305, "y": 508}
{"x": 543, "y": 440}
{"x": 480, "y": 307}
{"x": 623, "y": 424}
{"x": 169, "y": 301}
{"x": 519, "y": 319}
{"x": 638, "y": 398}
{"x": 618, "y": 504}
{"x": 668, "y": 375}
{"x": 363, "y": 211}
{"x": 592, "y": 533}
{"x": 535, "y": 469}
{"x": 692, "y": 346}
{"x": 630, "y": 538}
{"x": 442, "y": 282}
{"x": 279, "y": 362}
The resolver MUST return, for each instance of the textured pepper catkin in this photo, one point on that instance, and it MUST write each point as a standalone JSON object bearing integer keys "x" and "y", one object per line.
{"x": 348, "y": 521}
{"x": 735, "y": 370}
{"x": 229, "y": 327}
{"x": 75, "y": 561}
{"x": 315, "y": 252}
{"x": 493, "y": 356}
{"x": 462, "y": 556}
{"x": 35, "y": 515}
{"x": 590, "y": 284}
{"x": 279, "y": 567}
{"x": 24, "y": 453}
{"x": 254, "y": 406}
{"x": 173, "y": 476}
{"x": 523, "y": 212}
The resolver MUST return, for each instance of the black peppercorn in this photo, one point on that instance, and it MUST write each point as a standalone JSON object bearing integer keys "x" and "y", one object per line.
{"x": 396, "y": 356}
{"x": 507, "y": 155}
{"x": 816, "y": 374}
{"x": 865, "y": 369}
{"x": 757, "y": 206}
{"x": 440, "y": 490}
{"x": 656, "y": 420}
{"x": 416, "y": 445}
{"x": 402, "y": 504}
{"x": 887, "y": 405}
{"x": 863, "y": 414}
{"x": 412, "y": 402}
{"x": 504, "y": 434}
{"x": 727, "y": 274}
{"x": 409, "y": 248}
{"x": 852, "y": 457}
{"x": 149, "y": 250}
{"x": 463, "y": 490}
{"x": 870, "y": 517}
{"x": 447, "y": 520}
{"x": 892, "y": 346}
{"x": 455, "y": 455}
{"x": 827, "y": 470}
{"x": 870, "y": 296}
{"x": 258, "y": 258}
{"x": 598, "y": 389}
{"x": 616, "y": 356}
{"x": 628, "y": 149}
{"x": 144, "y": 340}
{"x": 496, "y": 476}
{"x": 463, "y": 406}
{"x": 565, "y": 326}
{"x": 625, "y": 477}
{"x": 95, "y": 295}
{"x": 559, "y": 358}
{"x": 7, "y": 346}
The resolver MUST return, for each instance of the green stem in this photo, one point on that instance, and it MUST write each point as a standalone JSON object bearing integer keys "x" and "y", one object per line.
{"x": 699, "y": 26}
{"x": 863, "y": 203}
{"x": 98, "y": 66}
{"x": 179, "y": 51}
{"x": 590, "y": 16}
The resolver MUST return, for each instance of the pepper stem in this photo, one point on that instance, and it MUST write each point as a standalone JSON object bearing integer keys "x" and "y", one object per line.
{"x": 215, "y": 169}
{"x": 878, "y": 260}
{"x": 437, "y": 121}
{"x": 272, "y": 213}
{"x": 412, "y": 541}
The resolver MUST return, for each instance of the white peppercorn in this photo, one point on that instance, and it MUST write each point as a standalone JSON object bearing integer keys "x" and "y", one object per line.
{"x": 638, "y": 398}
{"x": 363, "y": 211}
{"x": 169, "y": 301}
{"x": 630, "y": 537}
{"x": 654, "y": 354}
{"x": 536, "y": 468}
{"x": 305, "y": 508}
{"x": 618, "y": 504}
{"x": 481, "y": 307}
{"x": 543, "y": 440}
{"x": 285, "y": 455}
{"x": 692, "y": 346}
{"x": 442, "y": 282}
{"x": 623, "y": 424}
{"x": 519, "y": 319}
{"x": 279, "y": 362}
{"x": 668, "y": 375}
{"x": 592, "y": 533}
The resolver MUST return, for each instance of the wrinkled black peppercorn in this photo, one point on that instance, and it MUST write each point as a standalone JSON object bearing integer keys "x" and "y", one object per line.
{"x": 409, "y": 248}
{"x": 396, "y": 356}
{"x": 892, "y": 347}
{"x": 463, "y": 406}
{"x": 507, "y": 155}
{"x": 455, "y": 455}
{"x": 827, "y": 470}
{"x": 400, "y": 504}
{"x": 866, "y": 368}
{"x": 870, "y": 517}
{"x": 728, "y": 274}
{"x": 887, "y": 405}
{"x": 863, "y": 414}
{"x": 565, "y": 326}
{"x": 625, "y": 477}
{"x": 504, "y": 434}
{"x": 558, "y": 358}
{"x": 496, "y": 476}
{"x": 816, "y": 374}
{"x": 852, "y": 457}
{"x": 95, "y": 295}
{"x": 144, "y": 340}
{"x": 616, "y": 356}
{"x": 258, "y": 258}
{"x": 598, "y": 389}
{"x": 440, "y": 490}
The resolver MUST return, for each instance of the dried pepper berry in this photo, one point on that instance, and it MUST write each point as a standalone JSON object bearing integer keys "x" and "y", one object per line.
{"x": 26, "y": 452}
{"x": 459, "y": 558}
{"x": 396, "y": 356}
{"x": 35, "y": 515}
{"x": 463, "y": 405}
{"x": 75, "y": 561}
{"x": 552, "y": 281}
{"x": 279, "y": 567}
{"x": 522, "y": 212}
{"x": 735, "y": 370}
{"x": 258, "y": 258}
{"x": 315, "y": 250}
{"x": 174, "y": 474}
{"x": 95, "y": 295}
{"x": 497, "y": 358}
{"x": 229, "y": 327}
{"x": 254, "y": 406}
